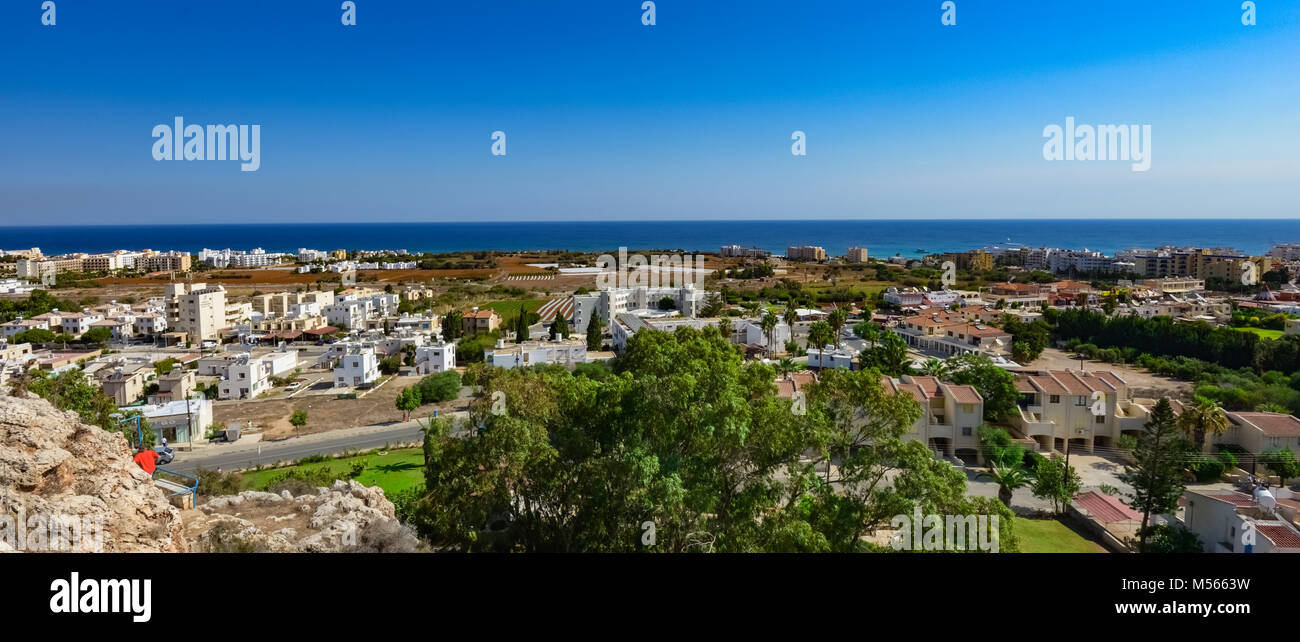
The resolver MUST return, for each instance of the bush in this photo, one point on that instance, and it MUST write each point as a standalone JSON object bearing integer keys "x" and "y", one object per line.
{"x": 1208, "y": 470}
{"x": 215, "y": 484}
{"x": 303, "y": 482}
{"x": 443, "y": 386}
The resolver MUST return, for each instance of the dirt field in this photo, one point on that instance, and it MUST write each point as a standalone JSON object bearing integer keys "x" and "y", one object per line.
{"x": 324, "y": 412}
{"x": 1141, "y": 382}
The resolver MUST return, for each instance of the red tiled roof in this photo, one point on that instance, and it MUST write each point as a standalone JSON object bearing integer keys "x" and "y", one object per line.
{"x": 965, "y": 394}
{"x": 1272, "y": 424}
{"x": 1280, "y": 535}
{"x": 1240, "y": 500}
{"x": 1105, "y": 508}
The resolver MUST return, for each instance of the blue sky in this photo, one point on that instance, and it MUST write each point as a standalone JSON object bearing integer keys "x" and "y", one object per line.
{"x": 606, "y": 118}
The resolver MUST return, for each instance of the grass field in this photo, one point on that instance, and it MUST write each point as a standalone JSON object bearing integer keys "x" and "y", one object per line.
{"x": 1263, "y": 334}
{"x": 510, "y": 309}
{"x": 1051, "y": 536}
{"x": 395, "y": 471}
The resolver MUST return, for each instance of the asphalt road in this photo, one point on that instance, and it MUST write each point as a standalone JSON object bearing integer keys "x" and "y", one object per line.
{"x": 294, "y": 448}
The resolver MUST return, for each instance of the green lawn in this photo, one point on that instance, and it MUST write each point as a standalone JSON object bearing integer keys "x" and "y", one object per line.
{"x": 510, "y": 309}
{"x": 1263, "y": 333}
{"x": 1051, "y": 536}
{"x": 395, "y": 471}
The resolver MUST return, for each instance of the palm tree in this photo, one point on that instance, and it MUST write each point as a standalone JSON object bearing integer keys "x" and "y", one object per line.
{"x": 1008, "y": 480}
{"x": 936, "y": 368}
{"x": 790, "y": 315}
{"x": 1203, "y": 417}
{"x": 787, "y": 365}
{"x": 768, "y": 324}
{"x": 837, "y": 318}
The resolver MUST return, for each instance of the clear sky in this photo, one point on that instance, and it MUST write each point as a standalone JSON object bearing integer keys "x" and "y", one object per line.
{"x": 608, "y": 118}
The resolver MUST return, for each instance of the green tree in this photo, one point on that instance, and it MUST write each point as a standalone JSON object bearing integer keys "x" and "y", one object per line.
{"x": 1156, "y": 474}
{"x": 768, "y": 324}
{"x": 1282, "y": 462}
{"x": 560, "y": 329}
{"x": 889, "y": 356}
{"x": 995, "y": 385}
{"x": 407, "y": 401}
{"x": 521, "y": 326}
{"x": 35, "y": 336}
{"x": 820, "y": 335}
{"x": 440, "y": 387}
{"x": 595, "y": 335}
{"x": 453, "y": 324}
{"x": 934, "y": 368}
{"x": 1009, "y": 479}
{"x": 1163, "y": 538}
{"x": 298, "y": 419}
{"x": 1056, "y": 482}
{"x": 837, "y": 319}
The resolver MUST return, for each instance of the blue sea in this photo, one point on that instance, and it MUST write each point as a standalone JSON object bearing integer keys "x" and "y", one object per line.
{"x": 881, "y": 237}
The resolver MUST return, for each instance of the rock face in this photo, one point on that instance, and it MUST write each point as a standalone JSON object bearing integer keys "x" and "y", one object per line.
{"x": 52, "y": 465}
{"x": 347, "y": 517}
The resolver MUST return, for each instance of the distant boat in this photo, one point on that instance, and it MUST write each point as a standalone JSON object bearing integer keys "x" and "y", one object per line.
{"x": 921, "y": 250}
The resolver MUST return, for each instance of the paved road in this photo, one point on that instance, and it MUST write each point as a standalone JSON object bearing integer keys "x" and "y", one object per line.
{"x": 244, "y": 456}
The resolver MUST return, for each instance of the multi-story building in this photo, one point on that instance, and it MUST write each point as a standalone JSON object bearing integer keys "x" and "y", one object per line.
{"x": 1063, "y": 261}
{"x": 856, "y": 255}
{"x": 179, "y": 383}
{"x": 196, "y": 309}
{"x": 951, "y": 334}
{"x": 687, "y": 300}
{"x": 476, "y": 320}
{"x": 627, "y": 324}
{"x": 1056, "y": 408}
{"x": 743, "y": 252}
{"x": 974, "y": 260}
{"x": 164, "y": 262}
{"x": 437, "y": 357}
{"x": 18, "y": 326}
{"x": 124, "y": 387}
{"x": 359, "y": 366}
{"x": 805, "y": 253}
{"x": 830, "y": 357}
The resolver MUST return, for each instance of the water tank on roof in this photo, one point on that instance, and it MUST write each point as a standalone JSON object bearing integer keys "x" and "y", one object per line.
{"x": 1265, "y": 499}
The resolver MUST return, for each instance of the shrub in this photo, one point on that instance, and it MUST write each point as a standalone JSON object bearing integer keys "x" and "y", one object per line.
{"x": 1208, "y": 470}
{"x": 214, "y": 484}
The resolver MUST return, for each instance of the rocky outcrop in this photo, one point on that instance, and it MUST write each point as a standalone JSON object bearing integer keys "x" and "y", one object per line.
{"x": 52, "y": 466}
{"x": 347, "y": 517}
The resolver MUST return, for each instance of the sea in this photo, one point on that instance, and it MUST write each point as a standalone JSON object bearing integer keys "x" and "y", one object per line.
{"x": 882, "y": 238}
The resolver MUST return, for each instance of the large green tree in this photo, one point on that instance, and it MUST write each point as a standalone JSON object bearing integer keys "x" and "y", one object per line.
{"x": 1156, "y": 474}
{"x": 995, "y": 385}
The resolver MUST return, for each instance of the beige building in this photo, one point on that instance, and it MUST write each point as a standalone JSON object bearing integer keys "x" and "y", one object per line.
{"x": 805, "y": 253}
{"x": 856, "y": 255}
{"x": 477, "y": 320}
{"x": 1058, "y": 406}
{"x": 1261, "y": 432}
{"x": 196, "y": 309}
{"x": 124, "y": 387}
{"x": 176, "y": 385}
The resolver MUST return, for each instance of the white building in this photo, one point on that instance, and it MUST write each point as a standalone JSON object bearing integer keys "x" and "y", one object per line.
{"x": 566, "y": 352}
{"x": 438, "y": 357}
{"x": 357, "y": 367}
{"x": 179, "y": 421}
{"x": 830, "y": 357}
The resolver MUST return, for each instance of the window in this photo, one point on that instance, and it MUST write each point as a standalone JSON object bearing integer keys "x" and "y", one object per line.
{"x": 1101, "y": 419}
{"x": 1054, "y": 399}
{"x": 966, "y": 431}
{"x": 1081, "y": 401}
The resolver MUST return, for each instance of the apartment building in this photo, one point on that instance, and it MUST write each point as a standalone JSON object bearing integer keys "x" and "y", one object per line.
{"x": 805, "y": 253}
{"x": 687, "y": 300}
{"x": 951, "y": 334}
{"x": 905, "y": 298}
{"x": 351, "y": 314}
{"x": 1261, "y": 432}
{"x": 434, "y": 358}
{"x": 14, "y": 353}
{"x": 359, "y": 366}
{"x": 280, "y": 304}
{"x": 1063, "y": 261}
{"x": 20, "y": 325}
{"x": 950, "y": 417}
{"x": 856, "y": 255}
{"x": 123, "y": 327}
{"x": 627, "y": 324}
{"x": 738, "y": 251}
{"x": 124, "y": 387}
{"x": 565, "y": 352}
{"x": 1172, "y": 285}
{"x": 196, "y": 309}
{"x": 179, "y": 383}
{"x": 77, "y": 323}
{"x": 1056, "y": 408}
{"x": 164, "y": 262}
{"x": 974, "y": 260}
{"x": 1227, "y": 521}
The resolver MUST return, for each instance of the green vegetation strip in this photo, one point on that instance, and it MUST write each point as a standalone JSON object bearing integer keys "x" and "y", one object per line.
{"x": 395, "y": 471}
{"x": 1051, "y": 536}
